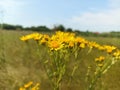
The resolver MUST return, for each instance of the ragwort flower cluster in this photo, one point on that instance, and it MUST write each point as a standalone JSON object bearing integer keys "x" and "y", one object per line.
{"x": 65, "y": 41}
{"x": 61, "y": 40}
{"x": 57, "y": 41}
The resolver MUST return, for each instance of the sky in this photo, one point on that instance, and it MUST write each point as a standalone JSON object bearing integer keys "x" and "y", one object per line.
{"x": 84, "y": 15}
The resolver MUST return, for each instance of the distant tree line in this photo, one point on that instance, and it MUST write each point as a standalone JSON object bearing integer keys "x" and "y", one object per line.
{"x": 34, "y": 28}
{"x": 20, "y": 27}
{"x": 58, "y": 28}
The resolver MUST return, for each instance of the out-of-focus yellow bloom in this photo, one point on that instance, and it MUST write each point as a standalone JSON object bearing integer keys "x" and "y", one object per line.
{"x": 21, "y": 88}
{"x": 100, "y": 59}
{"x": 93, "y": 44}
{"x": 36, "y": 87}
{"x": 101, "y": 48}
{"x": 29, "y": 36}
{"x": 23, "y": 38}
{"x": 80, "y": 40}
{"x": 43, "y": 41}
{"x": 116, "y": 54}
{"x": 37, "y": 36}
{"x": 46, "y": 36}
{"x": 28, "y": 84}
{"x": 63, "y": 37}
{"x": 54, "y": 44}
{"x": 71, "y": 44}
{"x": 109, "y": 49}
{"x": 82, "y": 45}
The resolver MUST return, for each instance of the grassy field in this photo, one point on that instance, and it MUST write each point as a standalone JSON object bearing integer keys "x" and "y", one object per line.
{"x": 21, "y": 63}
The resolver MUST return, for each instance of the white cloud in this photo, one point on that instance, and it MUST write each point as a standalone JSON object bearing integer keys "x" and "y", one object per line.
{"x": 106, "y": 20}
{"x": 111, "y": 17}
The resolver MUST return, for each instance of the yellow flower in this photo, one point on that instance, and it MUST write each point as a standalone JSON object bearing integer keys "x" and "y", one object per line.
{"x": 116, "y": 54}
{"x": 23, "y": 38}
{"x": 82, "y": 45}
{"x": 36, "y": 87}
{"x": 101, "y": 48}
{"x": 43, "y": 41}
{"x": 46, "y": 37}
{"x": 71, "y": 44}
{"x": 93, "y": 44}
{"x": 55, "y": 45}
{"x": 37, "y": 36}
{"x": 29, "y": 36}
{"x": 100, "y": 59}
{"x": 109, "y": 49}
{"x": 28, "y": 84}
{"x": 80, "y": 40}
{"x": 21, "y": 88}
{"x": 63, "y": 37}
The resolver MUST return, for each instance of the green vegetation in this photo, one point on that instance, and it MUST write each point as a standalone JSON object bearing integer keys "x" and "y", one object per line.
{"x": 21, "y": 63}
{"x": 60, "y": 28}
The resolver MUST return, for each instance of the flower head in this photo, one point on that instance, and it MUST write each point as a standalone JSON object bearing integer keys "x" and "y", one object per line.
{"x": 100, "y": 59}
{"x": 55, "y": 45}
{"x": 28, "y": 84}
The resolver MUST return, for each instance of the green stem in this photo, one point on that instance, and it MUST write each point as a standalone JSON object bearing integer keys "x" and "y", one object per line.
{"x": 94, "y": 81}
{"x": 56, "y": 87}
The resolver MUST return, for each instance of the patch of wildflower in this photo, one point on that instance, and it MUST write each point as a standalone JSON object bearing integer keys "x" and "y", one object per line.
{"x": 67, "y": 40}
{"x": 60, "y": 44}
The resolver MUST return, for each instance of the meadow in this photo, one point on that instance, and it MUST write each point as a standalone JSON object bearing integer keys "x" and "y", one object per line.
{"x": 21, "y": 63}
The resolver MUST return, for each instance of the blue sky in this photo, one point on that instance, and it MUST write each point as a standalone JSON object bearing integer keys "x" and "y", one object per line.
{"x": 92, "y": 15}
